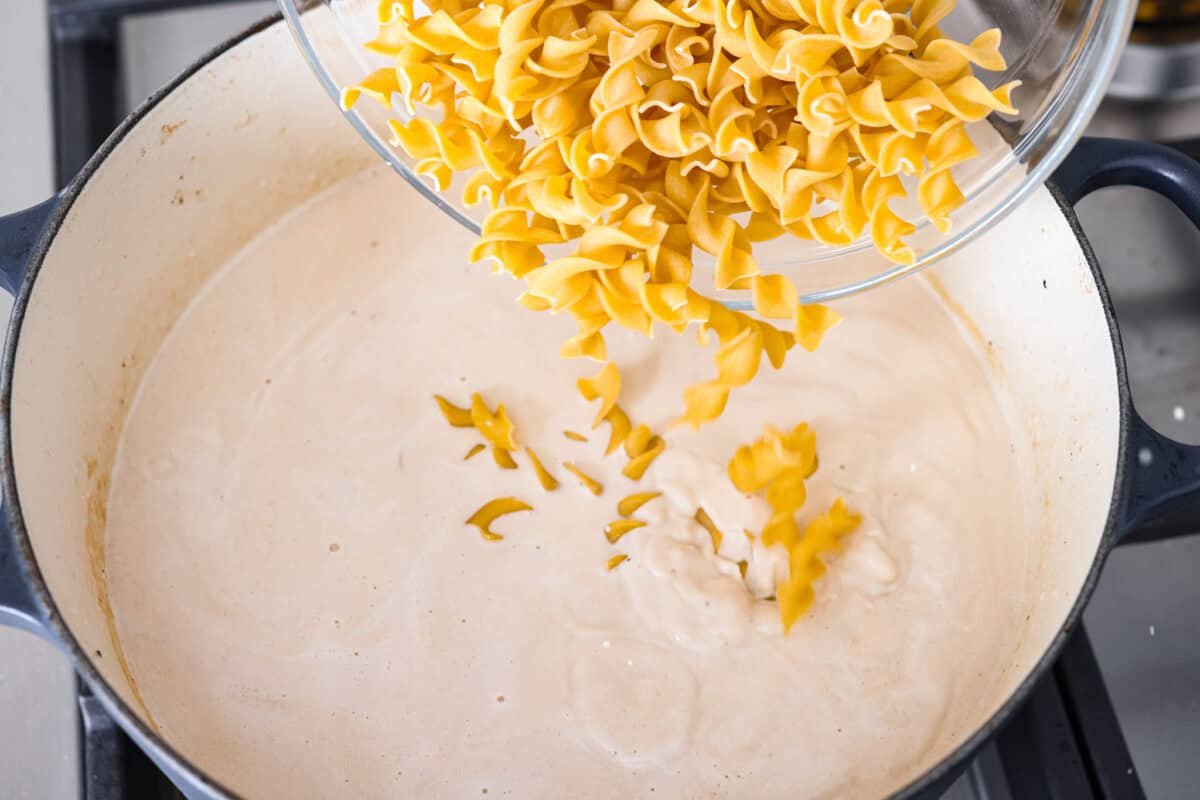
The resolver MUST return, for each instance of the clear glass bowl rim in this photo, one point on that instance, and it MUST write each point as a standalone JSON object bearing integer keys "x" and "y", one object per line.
{"x": 1104, "y": 57}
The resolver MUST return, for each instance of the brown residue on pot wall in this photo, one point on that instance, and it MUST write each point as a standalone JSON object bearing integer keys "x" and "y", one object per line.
{"x": 94, "y": 536}
{"x": 964, "y": 320}
{"x": 168, "y": 130}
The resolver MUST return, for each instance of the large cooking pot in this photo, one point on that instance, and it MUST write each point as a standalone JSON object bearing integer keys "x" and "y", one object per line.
{"x": 101, "y": 273}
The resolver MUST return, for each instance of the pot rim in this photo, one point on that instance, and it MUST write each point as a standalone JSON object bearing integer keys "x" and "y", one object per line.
{"x": 1108, "y": 538}
{"x": 46, "y": 610}
{"x": 157, "y": 746}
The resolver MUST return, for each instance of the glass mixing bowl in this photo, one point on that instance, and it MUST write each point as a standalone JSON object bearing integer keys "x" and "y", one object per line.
{"x": 1062, "y": 51}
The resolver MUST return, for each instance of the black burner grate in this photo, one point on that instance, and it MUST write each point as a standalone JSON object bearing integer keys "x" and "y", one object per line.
{"x": 85, "y": 52}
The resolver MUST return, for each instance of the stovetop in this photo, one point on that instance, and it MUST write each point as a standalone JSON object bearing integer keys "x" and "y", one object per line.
{"x": 1117, "y": 718}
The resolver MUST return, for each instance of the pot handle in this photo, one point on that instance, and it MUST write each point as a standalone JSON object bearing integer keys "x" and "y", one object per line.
{"x": 19, "y": 233}
{"x": 18, "y": 609}
{"x": 1161, "y": 495}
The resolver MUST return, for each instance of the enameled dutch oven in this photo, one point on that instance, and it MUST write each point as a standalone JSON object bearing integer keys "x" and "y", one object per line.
{"x": 101, "y": 272}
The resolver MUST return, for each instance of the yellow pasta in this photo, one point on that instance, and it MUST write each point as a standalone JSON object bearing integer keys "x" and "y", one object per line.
{"x": 613, "y": 531}
{"x": 616, "y": 561}
{"x": 756, "y": 465}
{"x": 575, "y": 436}
{"x": 638, "y": 441}
{"x": 638, "y": 133}
{"x": 457, "y": 417}
{"x": 503, "y": 458}
{"x": 628, "y": 506}
{"x": 705, "y": 521}
{"x": 605, "y": 386}
{"x": 638, "y": 465}
{"x": 496, "y": 427}
{"x": 491, "y": 511}
{"x": 777, "y": 464}
{"x": 548, "y": 481}
{"x": 585, "y": 480}
{"x": 822, "y": 535}
{"x": 642, "y": 446}
{"x": 619, "y": 428}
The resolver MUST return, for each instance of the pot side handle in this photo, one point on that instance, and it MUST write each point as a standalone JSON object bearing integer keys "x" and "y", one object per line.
{"x": 18, "y": 609}
{"x": 1161, "y": 495}
{"x": 19, "y": 233}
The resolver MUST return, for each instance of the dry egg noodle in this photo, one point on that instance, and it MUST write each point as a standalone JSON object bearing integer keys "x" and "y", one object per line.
{"x": 619, "y": 428}
{"x": 616, "y": 561}
{"x": 548, "y": 481}
{"x": 585, "y": 480}
{"x": 491, "y": 511}
{"x": 503, "y": 458}
{"x": 629, "y": 505}
{"x": 705, "y": 521}
{"x": 821, "y": 537}
{"x": 642, "y": 447}
{"x": 656, "y": 126}
{"x": 776, "y": 464}
{"x": 613, "y": 531}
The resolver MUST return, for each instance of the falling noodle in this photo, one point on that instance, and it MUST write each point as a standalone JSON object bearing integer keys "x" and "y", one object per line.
{"x": 637, "y": 132}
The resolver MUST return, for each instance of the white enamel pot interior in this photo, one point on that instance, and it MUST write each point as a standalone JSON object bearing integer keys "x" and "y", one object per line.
{"x": 246, "y": 136}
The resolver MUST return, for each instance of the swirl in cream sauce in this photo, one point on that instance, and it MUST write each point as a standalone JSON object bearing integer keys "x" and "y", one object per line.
{"x": 307, "y": 615}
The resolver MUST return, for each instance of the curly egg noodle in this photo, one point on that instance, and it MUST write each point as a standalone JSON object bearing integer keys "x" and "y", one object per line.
{"x": 776, "y": 465}
{"x": 639, "y": 131}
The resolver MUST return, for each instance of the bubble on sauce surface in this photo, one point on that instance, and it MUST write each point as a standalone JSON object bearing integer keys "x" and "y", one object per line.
{"x": 611, "y": 688}
{"x": 162, "y": 466}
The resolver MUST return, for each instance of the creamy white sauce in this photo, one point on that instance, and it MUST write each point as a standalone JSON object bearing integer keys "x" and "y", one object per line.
{"x": 307, "y": 615}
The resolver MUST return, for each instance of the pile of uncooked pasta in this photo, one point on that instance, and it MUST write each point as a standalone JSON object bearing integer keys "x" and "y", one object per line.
{"x": 638, "y": 131}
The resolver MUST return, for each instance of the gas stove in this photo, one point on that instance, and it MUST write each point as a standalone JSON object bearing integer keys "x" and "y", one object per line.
{"x": 1118, "y": 717}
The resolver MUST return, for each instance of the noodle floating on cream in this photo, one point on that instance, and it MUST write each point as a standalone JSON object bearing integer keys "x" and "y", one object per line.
{"x": 491, "y": 511}
{"x": 638, "y": 131}
{"x": 548, "y": 481}
{"x": 585, "y": 480}
{"x": 777, "y": 465}
{"x": 615, "y": 530}
{"x": 629, "y": 505}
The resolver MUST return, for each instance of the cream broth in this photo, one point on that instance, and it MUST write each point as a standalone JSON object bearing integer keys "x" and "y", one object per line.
{"x": 307, "y": 615}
